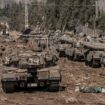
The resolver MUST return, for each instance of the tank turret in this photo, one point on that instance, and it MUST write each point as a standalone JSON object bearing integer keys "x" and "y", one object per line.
{"x": 94, "y": 52}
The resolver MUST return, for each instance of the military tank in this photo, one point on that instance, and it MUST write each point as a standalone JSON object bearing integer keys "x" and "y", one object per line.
{"x": 71, "y": 51}
{"x": 63, "y": 45}
{"x": 25, "y": 68}
{"x": 94, "y": 53}
{"x": 28, "y": 58}
{"x": 102, "y": 61}
{"x": 70, "y": 46}
{"x": 13, "y": 78}
{"x": 76, "y": 52}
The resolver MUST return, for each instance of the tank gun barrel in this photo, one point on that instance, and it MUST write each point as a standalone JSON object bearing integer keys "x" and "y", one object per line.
{"x": 68, "y": 39}
{"x": 94, "y": 45}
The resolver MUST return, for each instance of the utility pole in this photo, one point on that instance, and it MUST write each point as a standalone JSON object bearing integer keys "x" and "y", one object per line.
{"x": 95, "y": 17}
{"x": 26, "y": 15}
{"x": 96, "y": 5}
{"x": 2, "y": 4}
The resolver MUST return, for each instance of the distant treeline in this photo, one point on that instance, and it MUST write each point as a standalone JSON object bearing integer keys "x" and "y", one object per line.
{"x": 55, "y": 14}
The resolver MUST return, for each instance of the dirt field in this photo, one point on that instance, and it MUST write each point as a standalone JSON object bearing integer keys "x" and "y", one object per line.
{"x": 73, "y": 74}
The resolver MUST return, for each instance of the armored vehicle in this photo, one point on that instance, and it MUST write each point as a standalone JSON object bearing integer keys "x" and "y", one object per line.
{"x": 13, "y": 78}
{"x": 102, "y": 61}
{"x": 71, "y": 47}
{"x": 62, "y": 45}
{"x": 74, "y": 51}
{"x": 25, "y": 68}
{"x": 30, "y": 59}
{"x": 38, "y": 43}
{"x": 94, "y": 53}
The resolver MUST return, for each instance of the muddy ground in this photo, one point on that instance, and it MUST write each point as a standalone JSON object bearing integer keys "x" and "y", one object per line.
{"x": 73, "y": 74}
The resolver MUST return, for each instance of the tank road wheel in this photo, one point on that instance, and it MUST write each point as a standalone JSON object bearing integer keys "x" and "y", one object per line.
{"x": 8, "y": 87}
{"x": 53, "y": 87}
